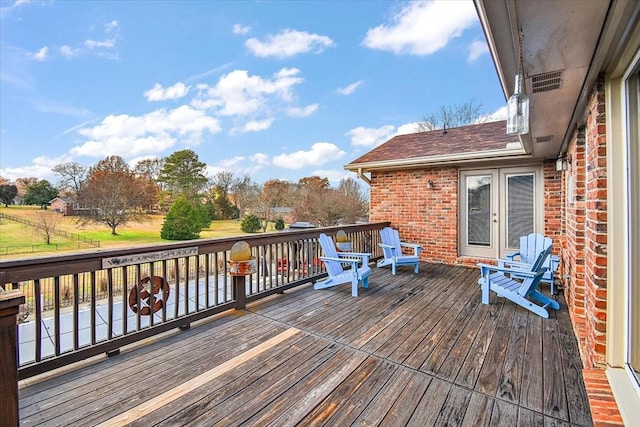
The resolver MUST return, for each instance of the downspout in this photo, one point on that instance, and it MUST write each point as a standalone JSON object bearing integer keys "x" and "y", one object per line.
{"x": 363, "y": 177}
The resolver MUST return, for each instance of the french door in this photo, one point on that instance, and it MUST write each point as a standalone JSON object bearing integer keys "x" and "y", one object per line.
{"x": 497, "y": 206}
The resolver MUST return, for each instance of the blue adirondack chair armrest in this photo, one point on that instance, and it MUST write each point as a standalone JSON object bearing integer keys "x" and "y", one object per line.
{"x": 512, "y": 255}
{"x": 382, "y": 245}
{"x": 486, "y": 268}
{"x": 513, "y": 264}
{"x": 416, "y": 248}
{"x": 359, "y": 255}
{"x": 353, "y": 261}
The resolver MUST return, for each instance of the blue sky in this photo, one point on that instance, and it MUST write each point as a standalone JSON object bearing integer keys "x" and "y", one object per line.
{"x": 274, "y": 89}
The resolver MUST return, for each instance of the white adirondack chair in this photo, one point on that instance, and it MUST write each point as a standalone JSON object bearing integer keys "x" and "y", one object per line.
{"x": 334, "y": 261}
{"x": 392, "y": 251}
{"x": 530, "y": 247}
{"x": 498, "y": 278}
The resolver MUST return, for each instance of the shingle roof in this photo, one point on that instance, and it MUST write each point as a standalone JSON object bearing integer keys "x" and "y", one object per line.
{"x": 465, "y": 139}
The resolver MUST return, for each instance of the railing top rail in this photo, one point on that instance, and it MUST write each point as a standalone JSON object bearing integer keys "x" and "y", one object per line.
{"x": 33, "y": 268}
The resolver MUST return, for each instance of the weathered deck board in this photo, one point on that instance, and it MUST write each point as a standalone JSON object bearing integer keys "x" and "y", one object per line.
{"x": 413, "y": 349}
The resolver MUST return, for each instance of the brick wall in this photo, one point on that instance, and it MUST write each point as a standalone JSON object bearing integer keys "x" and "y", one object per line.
{"x": 584, "y": 252}
{"x": 573, "y": 254}
{"x": 429, "y": 216}
{"x": 596, "y": 229}
{"x": 421, "y": 214}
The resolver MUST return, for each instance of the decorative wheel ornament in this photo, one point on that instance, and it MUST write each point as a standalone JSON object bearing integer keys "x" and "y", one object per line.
{"x": 141, "y": 293}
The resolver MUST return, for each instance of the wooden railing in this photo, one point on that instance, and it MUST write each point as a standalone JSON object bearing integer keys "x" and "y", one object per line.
{"x": 82, "y": 305}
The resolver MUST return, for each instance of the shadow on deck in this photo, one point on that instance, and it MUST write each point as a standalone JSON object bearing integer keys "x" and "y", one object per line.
{"x": 410, "y": 350}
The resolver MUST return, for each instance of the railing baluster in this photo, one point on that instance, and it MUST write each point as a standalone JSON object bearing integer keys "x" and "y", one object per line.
{"x": 207, "y": 274}
{"x": 76, "y": 312}
{"x": 110, "y": 303}
{"x": 92, "y": 278}
{"x": 197, "y": 285}
{"x": 56, "y": 314}
{"x": 38, "y": 303}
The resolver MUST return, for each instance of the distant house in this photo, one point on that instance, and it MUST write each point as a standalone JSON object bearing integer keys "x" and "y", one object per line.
{"x": 285, "y": 213}
{"x": 63, "y": 205}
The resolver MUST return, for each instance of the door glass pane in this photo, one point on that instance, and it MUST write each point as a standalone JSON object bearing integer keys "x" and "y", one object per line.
{"x": 479, "y": 210}
{"x": 520, "y": 208}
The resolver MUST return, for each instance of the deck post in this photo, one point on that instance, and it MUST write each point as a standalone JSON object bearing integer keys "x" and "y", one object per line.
{"x": 9, "y": 304}
{"x": 239, "y": 291}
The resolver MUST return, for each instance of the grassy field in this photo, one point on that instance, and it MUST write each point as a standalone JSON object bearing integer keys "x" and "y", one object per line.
{"x": 19, "y": 240}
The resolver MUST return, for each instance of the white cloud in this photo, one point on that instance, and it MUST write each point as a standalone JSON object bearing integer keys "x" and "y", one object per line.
{"x": 158, "y": 93}
{"x": 95, "y": 44}
{"x": 69, "y": 52}
{"x": 370, "y": 137}
{"x": 476, "y": 50}
{"x": 111, "y": 26}
{"x": 499, "y": 114}
{"x": 288, "y": 43}
{"x": 302, "y": 112}
{"x": 422, "y": 28}
{"x": 320, "y": 153}
{"x": 252, "y": 126}
{"x": 40, "y": 55}
{"x": 147, "y": 134}
{"x": 348, "y": 90}
{"x": 40, "y": 167}
{"x": 241, "y": 29}
{"x": 239, "y": 94}
{"x": 408, "y": 128}
{"x": 260, "y": 159}
{"x": 231, "y": 164}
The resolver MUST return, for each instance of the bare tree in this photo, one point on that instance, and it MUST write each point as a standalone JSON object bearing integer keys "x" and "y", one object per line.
{"x": 355, "y": 203}
{"x": 246, "y": 193}
{"x": 73, "y": 177}
{"x": 451, "y": 116}
{"x": 47, "y": 223}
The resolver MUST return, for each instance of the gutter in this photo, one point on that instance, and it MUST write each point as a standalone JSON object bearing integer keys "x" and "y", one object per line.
{"x": 362, "y": 176}
{"x": 447, "y": 159}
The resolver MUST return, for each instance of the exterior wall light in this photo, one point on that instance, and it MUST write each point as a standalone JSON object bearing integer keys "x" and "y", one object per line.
{"x": 430, "y": 184}
{"x": 518, "y": 110}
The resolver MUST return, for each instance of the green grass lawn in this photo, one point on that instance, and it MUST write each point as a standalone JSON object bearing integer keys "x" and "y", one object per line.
{"x": 18, "y": 239}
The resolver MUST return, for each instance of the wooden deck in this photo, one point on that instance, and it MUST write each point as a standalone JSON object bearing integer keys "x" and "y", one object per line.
{"x": 411, "y": 350}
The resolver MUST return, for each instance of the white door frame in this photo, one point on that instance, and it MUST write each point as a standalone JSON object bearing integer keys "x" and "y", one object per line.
{"x": 497, "y": 246}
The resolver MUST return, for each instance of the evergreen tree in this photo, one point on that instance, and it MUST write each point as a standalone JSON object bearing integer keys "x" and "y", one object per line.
{"x": 250, "y": 224}
{"x": 184, "y": 221}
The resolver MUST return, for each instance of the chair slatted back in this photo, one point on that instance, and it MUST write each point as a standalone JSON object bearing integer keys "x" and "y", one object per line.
{"x": 334, "y": 268}
{"x": 531, "y": 283}
{"x": 531, "y": 245}
{"x": 391, "y": 237}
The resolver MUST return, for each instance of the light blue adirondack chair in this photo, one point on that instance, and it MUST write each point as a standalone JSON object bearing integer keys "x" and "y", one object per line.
{"x": 530, "y": 247}
{"x": 522, "y": 292}
{"x": 392, "y": 251}
{"x": 334, "y": 261}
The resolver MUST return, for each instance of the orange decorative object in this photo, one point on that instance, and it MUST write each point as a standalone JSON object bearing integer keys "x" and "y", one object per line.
{"x": 243, "y": 268}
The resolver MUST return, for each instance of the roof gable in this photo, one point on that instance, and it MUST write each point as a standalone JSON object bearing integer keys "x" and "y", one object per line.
{"x": 471, "y": 140}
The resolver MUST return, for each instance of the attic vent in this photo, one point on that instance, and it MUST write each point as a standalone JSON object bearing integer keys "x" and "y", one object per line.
{"x": 546, "y": 81}
{"x": 546, "y": 138}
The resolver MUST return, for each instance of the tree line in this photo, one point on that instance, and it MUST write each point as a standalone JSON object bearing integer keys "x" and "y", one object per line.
{"x": 113, "y": 193}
